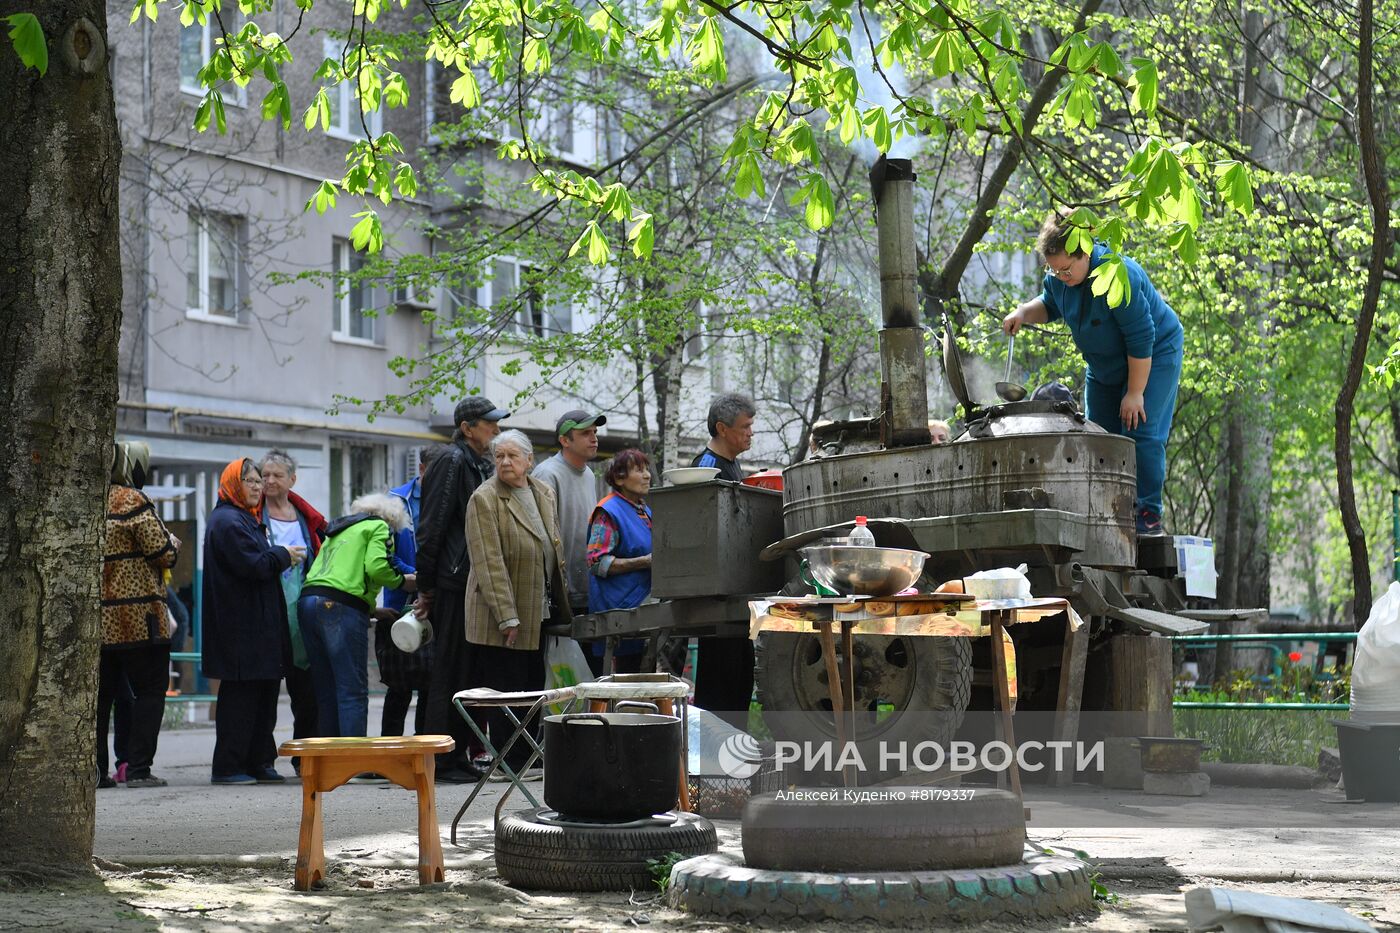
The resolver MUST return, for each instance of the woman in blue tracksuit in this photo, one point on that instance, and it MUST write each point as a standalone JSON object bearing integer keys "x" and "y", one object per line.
{"x": 1133, "y": 354}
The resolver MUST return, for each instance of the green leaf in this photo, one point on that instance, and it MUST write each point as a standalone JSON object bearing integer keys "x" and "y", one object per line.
{"x": 465, "y": 90}
{"x": 597, "y": 244}
{"x": 1234, "y": 185}
{"x": 947, "y": 54}
{"x": 277, "y": 103}
{"x": 642, "y": 235}
{"x": 324, "y": 198}
{"x": 28, "y": 38}
{"x": 368, "y": 234}
{"x": 1144, "y": 84}
{"x": 405, "y": 180}
{"x": 320, "y": 110}
{"x": 821, "y": 206}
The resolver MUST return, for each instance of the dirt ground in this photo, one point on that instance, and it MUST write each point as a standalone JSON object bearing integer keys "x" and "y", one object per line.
{"x": 194, "y": 857}
{"x": 215, "y": 899}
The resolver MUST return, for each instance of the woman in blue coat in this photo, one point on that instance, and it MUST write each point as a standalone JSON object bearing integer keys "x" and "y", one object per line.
{"x": 245, "y": 624}
{"x": 1133, "y": 354}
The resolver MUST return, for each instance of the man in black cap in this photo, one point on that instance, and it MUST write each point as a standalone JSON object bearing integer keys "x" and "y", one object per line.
{"x": 442, "y": 566}
{"x": 577, "y": 490}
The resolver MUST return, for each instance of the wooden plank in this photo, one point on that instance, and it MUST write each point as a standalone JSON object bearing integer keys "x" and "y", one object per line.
{"x": 1003, "y": 695}
{"x": 1072, "y": 663}
{"x": 1141, "y": 685}
{"x": 1160, "y": 622}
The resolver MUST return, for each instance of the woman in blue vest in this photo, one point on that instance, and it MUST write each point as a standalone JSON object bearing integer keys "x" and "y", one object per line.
{"x": 1133, "y": 354}
{"x": 619, "y": 551}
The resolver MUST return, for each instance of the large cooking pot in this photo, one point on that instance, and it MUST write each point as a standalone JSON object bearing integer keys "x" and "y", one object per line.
{"x": 611, "y": 766}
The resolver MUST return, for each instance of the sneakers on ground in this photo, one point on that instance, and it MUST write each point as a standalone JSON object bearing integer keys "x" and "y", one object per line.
{"x": 369, "y": 777}
{"x": 120, "y": 776}
{"x": 105, "y": 781}
{"x": 146, "y": 780}
{"x": 233, "y": 779}
{"x": 482, "y": 760}
{"x": 1149, "y": 523}
{"x": 268, "y": 776}
{"x": 457, "y": 776}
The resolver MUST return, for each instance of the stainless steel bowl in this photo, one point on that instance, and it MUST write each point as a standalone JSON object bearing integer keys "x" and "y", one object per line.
{"x": 864, "y": 571}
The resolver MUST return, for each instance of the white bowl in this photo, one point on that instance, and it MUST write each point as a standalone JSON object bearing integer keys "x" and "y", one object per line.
{"x": 685, "y": 476}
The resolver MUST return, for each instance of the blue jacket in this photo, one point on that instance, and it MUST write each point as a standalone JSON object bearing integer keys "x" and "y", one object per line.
{"x": 405, "y": 545}
{"x": 244, "y": 614}
{"x": 1143, "y": 327}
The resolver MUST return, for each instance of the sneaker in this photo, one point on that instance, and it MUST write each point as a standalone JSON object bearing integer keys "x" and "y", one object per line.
{"x": 268, "y": 775}
{"x": 233, "y": 779}
{"x": 105, "y": 781}
{"x": 120, "y": 776}
{"x": 369, "y": 777}
{"x": 482, "y": 760}
{"x": 457, "y": 776}
{"x": 148, "y": 780}
{"x": 1149, "y": 523}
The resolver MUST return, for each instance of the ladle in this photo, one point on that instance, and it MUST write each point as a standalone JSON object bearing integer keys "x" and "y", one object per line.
{"x": 1008, "y": 390}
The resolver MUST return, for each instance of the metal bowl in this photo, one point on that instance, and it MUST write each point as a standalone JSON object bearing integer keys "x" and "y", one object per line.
{"x": 864, "y": 571}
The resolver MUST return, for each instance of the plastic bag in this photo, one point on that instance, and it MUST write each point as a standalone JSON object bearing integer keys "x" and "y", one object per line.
{"x": 564, "y": 665}
{"x": 1375, "y": 673}
{"x": 999, "y": 583}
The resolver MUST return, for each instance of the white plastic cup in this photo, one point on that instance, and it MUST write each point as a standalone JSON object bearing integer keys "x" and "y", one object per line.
{"x": 409, "y": 633}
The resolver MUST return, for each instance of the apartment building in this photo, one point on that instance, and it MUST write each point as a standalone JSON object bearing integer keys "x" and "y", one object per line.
{"x": 236, "y": 338}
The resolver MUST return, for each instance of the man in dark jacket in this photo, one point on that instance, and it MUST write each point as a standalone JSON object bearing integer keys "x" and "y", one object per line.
{"x": 442, "y": 565}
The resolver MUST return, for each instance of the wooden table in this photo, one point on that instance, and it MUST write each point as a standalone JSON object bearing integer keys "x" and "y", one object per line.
{"x": 327, "y": 763}
{"x": 932, "y": 615}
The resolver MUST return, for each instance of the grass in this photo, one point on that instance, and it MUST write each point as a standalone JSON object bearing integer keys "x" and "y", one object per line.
{"x": 1280, "y": 737}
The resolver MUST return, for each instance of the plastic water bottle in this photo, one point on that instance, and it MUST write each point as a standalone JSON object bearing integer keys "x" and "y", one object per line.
{"x": 860, "y": 535}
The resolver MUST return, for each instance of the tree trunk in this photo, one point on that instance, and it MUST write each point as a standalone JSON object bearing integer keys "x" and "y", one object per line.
{"x": 60, "y": 308}
{"x": 1376, "y": 192}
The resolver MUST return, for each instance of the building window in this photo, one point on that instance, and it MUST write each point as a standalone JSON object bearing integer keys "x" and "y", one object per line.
{"x": 197, "y": 44}
{"x": 511, "y": 283}
{"x": 355, "y": 469}
{"x": 351, "y": 298}
{"x": 214, "y": 272}
{"x": 565, "y": 131}
{"x": 346, "y": 119}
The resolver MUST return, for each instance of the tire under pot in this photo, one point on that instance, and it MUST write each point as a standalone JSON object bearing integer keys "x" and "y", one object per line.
{"x": 611, "y": 766}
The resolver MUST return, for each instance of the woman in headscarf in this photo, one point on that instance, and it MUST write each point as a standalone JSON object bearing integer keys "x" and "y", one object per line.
{"x": 245, "y": 627}
{"x": 619, "y": 552}
{"x": 135, "y": 627}
{"x": 516, "y": 583}
{"x": 335, "y": 607}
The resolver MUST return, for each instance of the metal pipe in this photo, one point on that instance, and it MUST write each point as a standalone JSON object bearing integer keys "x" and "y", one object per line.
{"x": 903, "y": 370}
{"x": 1188, "y": 640}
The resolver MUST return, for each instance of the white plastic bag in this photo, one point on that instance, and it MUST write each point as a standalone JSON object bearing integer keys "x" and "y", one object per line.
{"x": 565, "y": 665}
{"x": 1375, "y": 672}
{"x": 999, "y": 583}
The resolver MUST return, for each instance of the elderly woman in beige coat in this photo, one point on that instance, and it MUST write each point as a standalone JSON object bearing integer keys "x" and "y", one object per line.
{"x": 517, "y": 581}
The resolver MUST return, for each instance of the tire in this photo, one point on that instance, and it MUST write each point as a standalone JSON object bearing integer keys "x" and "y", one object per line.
{"x": 905, "y": 829}
{"x": 1042, "y": 887}
{"x": 926, "y": 680}
{"x": 537, "y": 855}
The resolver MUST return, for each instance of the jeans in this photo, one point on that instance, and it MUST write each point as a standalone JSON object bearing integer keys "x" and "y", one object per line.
{"x": 337, "y": 644}
{"x": 1101, "y": 405}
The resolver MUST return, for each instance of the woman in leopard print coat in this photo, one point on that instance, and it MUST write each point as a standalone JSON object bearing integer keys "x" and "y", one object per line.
{"x": 135, "y": 627}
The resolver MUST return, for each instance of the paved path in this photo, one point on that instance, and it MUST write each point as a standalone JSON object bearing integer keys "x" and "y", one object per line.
{"x": 1234, "y": 833}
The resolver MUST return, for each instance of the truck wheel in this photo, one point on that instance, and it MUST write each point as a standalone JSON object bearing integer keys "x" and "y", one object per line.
{"x": 538, "y": 855}
{"x": 906, "y": 829}
{"x": 907, "y": 689}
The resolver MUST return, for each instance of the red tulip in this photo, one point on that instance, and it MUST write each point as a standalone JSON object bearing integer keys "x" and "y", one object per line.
{"x": 1295, "y": 656}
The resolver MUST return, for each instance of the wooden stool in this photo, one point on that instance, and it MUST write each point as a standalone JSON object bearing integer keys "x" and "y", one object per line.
{"x": 328, "y": 763}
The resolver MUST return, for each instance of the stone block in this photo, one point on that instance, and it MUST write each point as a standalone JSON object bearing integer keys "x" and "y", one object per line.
{"x": 1195, "y": 784}
{"x": 1122, "y": 763}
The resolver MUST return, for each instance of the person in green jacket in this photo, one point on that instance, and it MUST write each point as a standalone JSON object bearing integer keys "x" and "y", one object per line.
{"x": 334, "y": 609}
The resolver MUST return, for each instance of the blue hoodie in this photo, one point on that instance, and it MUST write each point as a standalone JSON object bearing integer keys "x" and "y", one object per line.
{"x": 1143, "y": 327}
